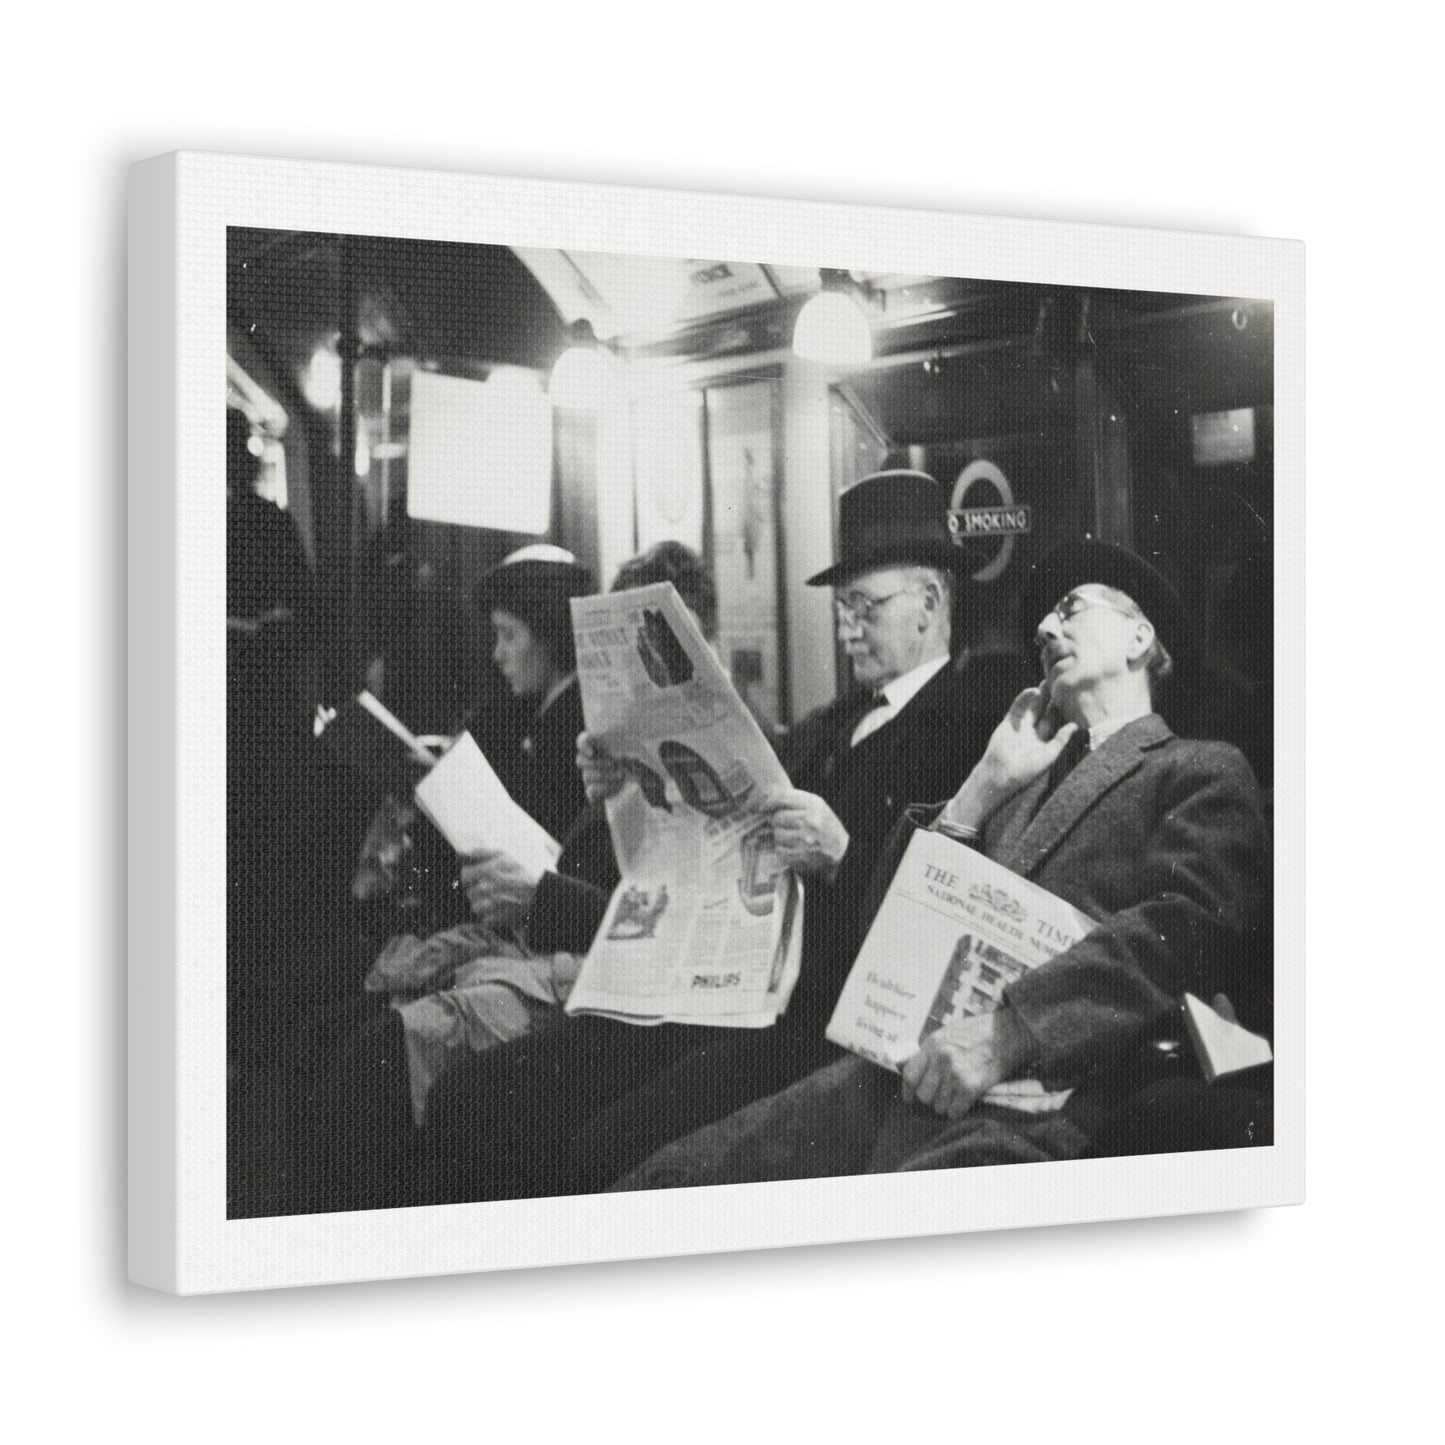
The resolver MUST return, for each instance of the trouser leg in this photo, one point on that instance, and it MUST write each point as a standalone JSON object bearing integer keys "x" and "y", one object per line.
{"x": 499, "y": 1124}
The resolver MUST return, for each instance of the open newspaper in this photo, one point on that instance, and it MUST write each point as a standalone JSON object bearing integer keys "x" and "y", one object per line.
{"x": 705, "y": 926}
{"x": 954, "y": 930}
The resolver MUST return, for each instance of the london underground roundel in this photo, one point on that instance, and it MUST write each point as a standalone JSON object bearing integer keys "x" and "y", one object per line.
{"x": 1001, "y": 520}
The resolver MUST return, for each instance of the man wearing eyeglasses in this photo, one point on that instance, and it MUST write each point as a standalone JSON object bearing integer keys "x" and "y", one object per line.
{"x": 909, "y": 718}
{"x": 1085, "y": 790}
{"x": 909, "y": 728}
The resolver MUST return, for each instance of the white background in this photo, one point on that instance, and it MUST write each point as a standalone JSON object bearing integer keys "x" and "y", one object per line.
{"x": 1310, "y": 1322}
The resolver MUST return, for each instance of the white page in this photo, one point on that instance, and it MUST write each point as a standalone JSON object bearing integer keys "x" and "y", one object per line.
{"x": 395, "y": 726}
{"x": 1222, "y": 1046}
{"x": 467, "y": 802}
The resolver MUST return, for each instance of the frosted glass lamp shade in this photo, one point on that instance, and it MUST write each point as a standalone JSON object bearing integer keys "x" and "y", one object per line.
{"x": 833, "y": 330}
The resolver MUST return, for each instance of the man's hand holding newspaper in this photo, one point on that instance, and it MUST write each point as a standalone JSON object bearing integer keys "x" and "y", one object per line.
{"x": 806, "y": 833}
{"x": 963, "y": 1060}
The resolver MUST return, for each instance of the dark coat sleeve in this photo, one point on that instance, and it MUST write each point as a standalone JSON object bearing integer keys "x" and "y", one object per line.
{"x": 569, "y": 904}
{"x": 566, "y": 914}
{"x": 1182, "y": 911}
{"x": 923, "y": 755}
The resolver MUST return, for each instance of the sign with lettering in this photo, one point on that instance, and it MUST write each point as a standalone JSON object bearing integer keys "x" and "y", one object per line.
{"x": 989, "y": 522}
{"x": 1005, "y": 521}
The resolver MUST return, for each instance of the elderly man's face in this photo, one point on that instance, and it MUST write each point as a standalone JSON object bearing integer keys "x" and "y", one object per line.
{"x": 1088, "y": 639}
{"x": 883, "y": 624}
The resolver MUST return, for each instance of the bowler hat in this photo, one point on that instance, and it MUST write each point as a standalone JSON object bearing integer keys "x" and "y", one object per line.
{"x": 1077, "y": 563}
{"x": 897, "y": 516}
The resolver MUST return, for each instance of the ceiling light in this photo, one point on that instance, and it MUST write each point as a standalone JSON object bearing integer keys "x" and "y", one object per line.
{"x": 321, "y": 385}
{"x": 585, "y": 376}
{"x": 833, "y": 328}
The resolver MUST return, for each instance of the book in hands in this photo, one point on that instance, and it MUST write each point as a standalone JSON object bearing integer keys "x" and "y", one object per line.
{"x": 370, "y": 739}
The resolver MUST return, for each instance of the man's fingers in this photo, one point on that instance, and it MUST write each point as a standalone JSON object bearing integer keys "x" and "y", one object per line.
{"x": 1061, "y": 738}
{"x": 789, "y": 829}
{"x": 929, "y": 1083}
{"x": 1024, "y": 703}
{"x": 475, "y": 873}
{"x": 912, "y": 1072}
{"x": 779, "y": 803}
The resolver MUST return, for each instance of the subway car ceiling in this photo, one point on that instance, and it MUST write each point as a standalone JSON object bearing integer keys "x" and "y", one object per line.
{"x": 953, "y": 357}
{"x": 1113, "y": 413}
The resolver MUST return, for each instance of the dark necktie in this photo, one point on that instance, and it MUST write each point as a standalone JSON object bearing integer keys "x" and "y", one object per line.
{"x": 1067, "y": 760}
{"x": 849, "y": 716}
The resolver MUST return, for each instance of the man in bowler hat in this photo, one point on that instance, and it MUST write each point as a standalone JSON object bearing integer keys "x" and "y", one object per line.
{"x": 1084, "y": 790}
{"x": 569, "y": 1110}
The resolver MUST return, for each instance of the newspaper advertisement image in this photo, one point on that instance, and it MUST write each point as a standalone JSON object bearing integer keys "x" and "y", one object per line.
{"x": 705, "y": 925}
{"x": 954, "y": 930}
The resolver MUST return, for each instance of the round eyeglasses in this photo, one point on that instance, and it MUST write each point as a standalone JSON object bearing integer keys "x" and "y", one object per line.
{"x": 859, "y": 607}
{"x": 1069, "y": 607}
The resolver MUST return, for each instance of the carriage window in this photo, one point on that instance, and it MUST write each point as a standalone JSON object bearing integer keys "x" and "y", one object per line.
{"x": 481, "y": 451}
{"x": 1223, "y": 436}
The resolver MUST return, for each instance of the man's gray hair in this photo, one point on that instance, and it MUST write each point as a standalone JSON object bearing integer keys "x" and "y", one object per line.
{"x": 1158, "y": 665}
{"x": 939, "y": 576}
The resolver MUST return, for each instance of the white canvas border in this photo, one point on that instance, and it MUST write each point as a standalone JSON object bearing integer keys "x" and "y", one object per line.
{"x": 181, "y": 206}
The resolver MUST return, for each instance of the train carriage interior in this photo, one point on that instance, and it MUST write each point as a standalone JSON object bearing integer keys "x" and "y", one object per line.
{"x": 404, "y": 414}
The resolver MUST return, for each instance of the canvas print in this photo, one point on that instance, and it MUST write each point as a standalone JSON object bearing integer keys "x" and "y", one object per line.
{"x": 1060, "y": 544}
{"x": 705, "y": 721}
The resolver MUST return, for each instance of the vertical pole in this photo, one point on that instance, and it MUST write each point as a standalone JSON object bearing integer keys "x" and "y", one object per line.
{"x": 1101, "y": 449}
{"x": 349, "y": 349}
{"x": 780, "y": 581}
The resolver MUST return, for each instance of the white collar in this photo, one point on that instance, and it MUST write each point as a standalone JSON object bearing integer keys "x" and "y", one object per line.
{"x": 902, "y": 690}
{"x": 1100, "y": 733}
{"x": 554, "y": 692}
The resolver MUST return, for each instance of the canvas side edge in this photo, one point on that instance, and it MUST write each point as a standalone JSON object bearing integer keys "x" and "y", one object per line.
{"x": 151, "y": 1076}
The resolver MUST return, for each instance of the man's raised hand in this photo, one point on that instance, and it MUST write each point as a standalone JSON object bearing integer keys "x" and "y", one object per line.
{"x": 1024, "y": 745}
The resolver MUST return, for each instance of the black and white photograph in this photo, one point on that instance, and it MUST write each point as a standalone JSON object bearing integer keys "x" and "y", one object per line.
{"x": 533, "y": 894}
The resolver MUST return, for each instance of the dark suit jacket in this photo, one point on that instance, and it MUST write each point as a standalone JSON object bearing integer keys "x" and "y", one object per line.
{"x": 1163, "y": 841}
{"x": 570, "y": 902}
{"x": 925, "y": 752}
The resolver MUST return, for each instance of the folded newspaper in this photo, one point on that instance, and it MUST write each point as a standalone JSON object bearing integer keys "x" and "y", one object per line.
{"x": 705, "y": 927}
{"x": 954, "y": 930}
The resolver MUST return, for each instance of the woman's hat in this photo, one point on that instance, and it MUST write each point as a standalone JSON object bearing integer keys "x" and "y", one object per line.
{"x": 535, "y": 585}
{"x": 891, "y": 517}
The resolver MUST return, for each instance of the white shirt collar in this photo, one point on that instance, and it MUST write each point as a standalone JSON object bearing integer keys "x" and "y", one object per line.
{"x": 554, "y": 692}
{"x": 902, "y": 690}
{"x": 1100, "y": 733}
{"x": 896, "y": 695}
